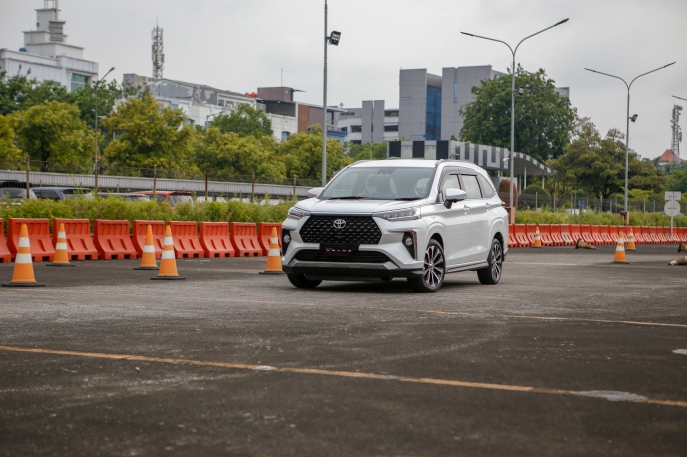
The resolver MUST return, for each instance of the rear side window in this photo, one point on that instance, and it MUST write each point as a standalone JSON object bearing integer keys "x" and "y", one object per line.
{"x": 487, "y": 189}
{"x": 471, "y": 186}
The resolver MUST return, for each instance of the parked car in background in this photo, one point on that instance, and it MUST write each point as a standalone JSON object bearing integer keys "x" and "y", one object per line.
{"x": 14, "y": 194}
{"x": 171, "y": 197}
{"x": 211, "y": 199}
{"x": 130, "y": 197}
{"x": 62, "y": 193}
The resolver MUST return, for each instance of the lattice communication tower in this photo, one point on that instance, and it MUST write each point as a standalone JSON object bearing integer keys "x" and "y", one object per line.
{"x": 158, "y": 53}
{"x": 677, "y": 130}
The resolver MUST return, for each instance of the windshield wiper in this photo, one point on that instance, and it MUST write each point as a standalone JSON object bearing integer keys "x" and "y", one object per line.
{"x": 407, "y": 199}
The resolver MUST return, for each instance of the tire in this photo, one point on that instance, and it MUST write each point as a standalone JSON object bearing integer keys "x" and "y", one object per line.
{"x": 492, "y": 274}
{"x": 433, "y": 271}
{"x": 302, "y": 282}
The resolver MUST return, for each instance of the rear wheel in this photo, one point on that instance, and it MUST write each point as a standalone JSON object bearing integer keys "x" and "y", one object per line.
{"x": 492, "y": 273}
{"x": 302, "y": 282}
{"x": 433, "y": 270}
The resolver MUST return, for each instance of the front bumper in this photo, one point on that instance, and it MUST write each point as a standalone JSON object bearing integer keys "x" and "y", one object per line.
{"x": 399, "y": 263}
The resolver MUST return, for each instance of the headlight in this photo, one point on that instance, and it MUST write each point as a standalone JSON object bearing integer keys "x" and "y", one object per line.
{"x": 399, "y": 215}
{"x": 297, "y": 213}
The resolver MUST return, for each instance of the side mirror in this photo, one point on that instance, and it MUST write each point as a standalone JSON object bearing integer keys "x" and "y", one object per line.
{"x": 454, "y": 195}
{"x": 314, "y": 192}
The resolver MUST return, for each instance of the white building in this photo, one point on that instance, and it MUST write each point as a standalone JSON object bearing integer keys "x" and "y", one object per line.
{"x": 203, "y": 103}
{"x": 46, "y": 56}
{"x": 371, "y": 123}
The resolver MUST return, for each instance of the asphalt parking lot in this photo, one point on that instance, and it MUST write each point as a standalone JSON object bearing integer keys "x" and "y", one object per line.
{"x": 568, "y": 355}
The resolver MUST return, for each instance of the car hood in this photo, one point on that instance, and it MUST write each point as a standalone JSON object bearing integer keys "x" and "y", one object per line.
{"x": 355, "y": 206}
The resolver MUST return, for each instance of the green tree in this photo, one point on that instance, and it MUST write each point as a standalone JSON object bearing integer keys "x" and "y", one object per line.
{"x": 302, "y": 155}
{"x": 544, "y": 119}
{"x": 54, "y": 131}
{"x": 362, "y": 151}
{"x": 230, "y": 154}
{"x": 8, "y": 148}
{"x": 84, "y": 99}
{"x": 597, "y": 165}
{"x": 244, "y": 121}
{"x": 148, "y": 135}
{"x": 677, "y": 180}
{"x": 21, "y": 92}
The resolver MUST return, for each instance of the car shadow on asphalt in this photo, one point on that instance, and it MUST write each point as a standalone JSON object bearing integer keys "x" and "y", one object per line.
{"x": 397, "y": 286}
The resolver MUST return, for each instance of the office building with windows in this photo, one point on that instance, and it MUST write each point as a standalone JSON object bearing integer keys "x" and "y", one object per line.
{"x": 420, "y": 101}
{"x": 46, "y": 55}
{"x": 370, "y": 124}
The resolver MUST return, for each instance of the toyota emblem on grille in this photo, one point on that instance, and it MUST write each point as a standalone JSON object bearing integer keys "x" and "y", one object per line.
{"x": 339, "y": 223}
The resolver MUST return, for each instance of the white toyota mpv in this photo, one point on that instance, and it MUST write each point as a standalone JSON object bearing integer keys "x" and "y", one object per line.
{"x": 383, "y": 219}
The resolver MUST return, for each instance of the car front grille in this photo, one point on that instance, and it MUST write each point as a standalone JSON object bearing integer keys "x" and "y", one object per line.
{"x": 314, "y": 255}
{"x": 358, "y": 230}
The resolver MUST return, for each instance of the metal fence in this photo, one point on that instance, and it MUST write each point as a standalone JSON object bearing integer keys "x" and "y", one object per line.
{"x": 576, "y": 204}
{"x": 105, "y": 170}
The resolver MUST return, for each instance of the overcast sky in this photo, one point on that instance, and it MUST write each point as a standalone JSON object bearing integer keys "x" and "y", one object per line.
{"x": 240, "y": 45}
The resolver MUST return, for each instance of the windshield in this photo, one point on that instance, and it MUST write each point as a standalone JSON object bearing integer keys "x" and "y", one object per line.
{"x": 14, "y": 193}
{"x": 380, "y": 183}
{"x": 175, "y": 199}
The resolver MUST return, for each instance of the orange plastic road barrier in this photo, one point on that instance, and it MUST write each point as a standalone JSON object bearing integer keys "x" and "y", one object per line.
{"x": 512, "y": 242}
{"x": 23, "y": 266}
{"x": 646, "y": 233}
{"x": 186, "y": 240}
{"x": 39, "y": 234}
{"x": 596, "y": 234}
{"x": 556, "y": 235}
{"x": 566, "y": 235}
{"x": 586, "y": 234}
{"x": 5, "y": 255}
{"x": 214, "y": 239}
{"x": 604, "y": 232}
{"x": 545, "y": 233}
{"x": 79, "y": 240}
{"x": 61, "y": 258}
{"x": 273, "y": 255}
{"x": 520, "y": 233}
{"x": 148, "y": 261}
{"x": 630, "y": 239}
{"x": 661, "y": 232}
{"x": 637, "y": 231}
{"x": 139, "y": 233}
{"x": 670, "y": 237}
{"x": 654, "y": 235}
{"x": 620, "y": 251}
{"x": 112, "y": 240}
{"x": 615, "y": 230}
{"x": 531, "y": 231}
{"x": 245, "y": 239}
{"x": 265, "y": 234}
{"x": 683, "y": 233}
{"x": 168, "y": 262}
{"x": 575, "y": 232}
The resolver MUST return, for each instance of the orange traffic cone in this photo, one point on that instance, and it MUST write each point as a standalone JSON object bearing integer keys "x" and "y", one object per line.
{"x": 23, "y": 263}
{"x": 631, "y": 241}
{"x": 274, "y": 256}
{"x": 680, "y": 261}
{"x": 168, "y": 263}
{"x": 148, "y": 261}
{"x": 537, "y": 239}
{"x": 61, "y": 258}
{"x": 682, "y": 247}
{"x": 620, "y": 250}
{"x": 581, "y": 244}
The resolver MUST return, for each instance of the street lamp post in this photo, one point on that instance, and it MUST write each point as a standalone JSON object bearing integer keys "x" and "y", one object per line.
{"x": 332, "y": 39}
{"x": 512, "y": 100}
{"x": 97, "y": 87}
{"x": 628, "y": 118}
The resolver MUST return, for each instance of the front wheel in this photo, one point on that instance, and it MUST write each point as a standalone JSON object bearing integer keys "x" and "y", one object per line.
{"x": 492, "y": 273}
{"x": 433, "y": 270}
{"x": 302, "y": 282}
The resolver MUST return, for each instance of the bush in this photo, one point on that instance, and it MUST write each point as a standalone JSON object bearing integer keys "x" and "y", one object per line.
{"x": 118, "y": 209}
{"x": 535, "y": 189}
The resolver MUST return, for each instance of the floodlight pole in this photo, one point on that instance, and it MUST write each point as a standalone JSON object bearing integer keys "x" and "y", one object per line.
{"x": 324, "y": 102}
{"x": 97, "y": 87}
{"x": 627, "y": 118}
{"x": 512, "y": 101}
